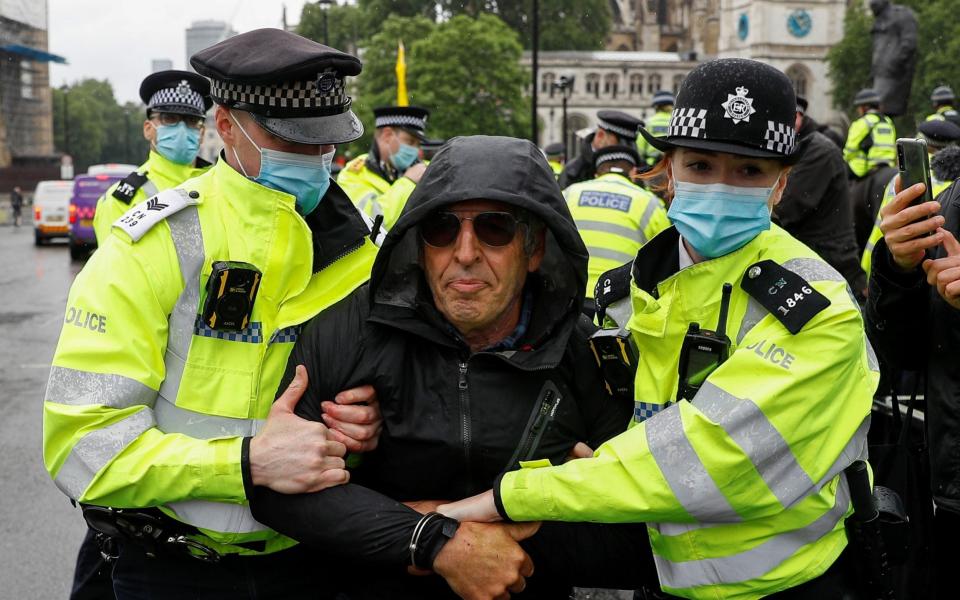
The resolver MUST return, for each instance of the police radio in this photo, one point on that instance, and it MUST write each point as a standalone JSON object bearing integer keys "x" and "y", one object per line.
{"x": 703, "y": 351}
{"x": 231, "y": 291}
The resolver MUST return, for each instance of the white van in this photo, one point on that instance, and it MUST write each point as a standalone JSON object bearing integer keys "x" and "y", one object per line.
{"x": 51, "y": 203}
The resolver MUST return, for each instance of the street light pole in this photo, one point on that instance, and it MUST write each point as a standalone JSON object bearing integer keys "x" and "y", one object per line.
{"x": 563, "y": 85}
{"x": 535, "y": 43}
{"x": 66, "y": 118}
{"x": 325, "y": 6}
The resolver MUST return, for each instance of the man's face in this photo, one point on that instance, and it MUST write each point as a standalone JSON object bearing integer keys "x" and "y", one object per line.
{"x": 473, "y": 283}
{"x": 604, "y": 138}
{"x": 391, "y": 138}
{"x": 247, "y": 153}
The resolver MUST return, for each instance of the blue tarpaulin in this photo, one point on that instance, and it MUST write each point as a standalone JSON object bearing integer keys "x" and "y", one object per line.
{"x": 33, "y": 53}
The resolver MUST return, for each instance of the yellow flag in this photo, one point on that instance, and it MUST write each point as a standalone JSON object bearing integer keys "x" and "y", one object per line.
{"x": 402, "y": 99}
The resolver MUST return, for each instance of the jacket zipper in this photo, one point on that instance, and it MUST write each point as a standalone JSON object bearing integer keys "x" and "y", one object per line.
{"x": 465, "y": 422}
{"x": 544, "y": 416}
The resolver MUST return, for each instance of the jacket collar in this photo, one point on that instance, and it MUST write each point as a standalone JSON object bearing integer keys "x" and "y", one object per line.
{"x": 379, "y": 166}
{"x": 336, "y": 226}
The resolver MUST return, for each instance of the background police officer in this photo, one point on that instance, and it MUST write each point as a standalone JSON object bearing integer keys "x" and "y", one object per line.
{"x": 657, "y": 125}
{"x": 615, "y": 217}
{"x": 613, "y": 128}
{"x": 942, "y": 99}
{"x": 380, "y": 181}
{"x": 177, "y": 102}
{"x": 161, "y": 392}
{"x": 555, "y": 157}
{"x": 870, "y": 153}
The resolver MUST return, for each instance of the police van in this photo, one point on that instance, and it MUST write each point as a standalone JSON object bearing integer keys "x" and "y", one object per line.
{"x": 51, "y": 202}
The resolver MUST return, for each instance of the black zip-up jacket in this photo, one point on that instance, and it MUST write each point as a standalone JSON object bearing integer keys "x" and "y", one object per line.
{"x": 913, "y": 328}
{"x": 453, "y": 420}
{"x": 815, "y": 207}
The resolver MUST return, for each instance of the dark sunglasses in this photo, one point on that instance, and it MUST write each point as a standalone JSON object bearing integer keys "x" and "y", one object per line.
{"x": 492, "y": 228}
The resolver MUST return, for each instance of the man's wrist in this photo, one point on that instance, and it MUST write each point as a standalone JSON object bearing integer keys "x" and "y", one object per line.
{"x": 432, "y": 533}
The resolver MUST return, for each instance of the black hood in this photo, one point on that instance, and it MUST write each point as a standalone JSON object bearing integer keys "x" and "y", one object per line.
{"x": 502, "y": 169}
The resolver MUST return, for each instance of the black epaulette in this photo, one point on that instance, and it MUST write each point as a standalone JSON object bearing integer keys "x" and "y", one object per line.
{"x": 127, "y": 187}
{"x": 612, "y": 286}
{"x": 789, "y": 297}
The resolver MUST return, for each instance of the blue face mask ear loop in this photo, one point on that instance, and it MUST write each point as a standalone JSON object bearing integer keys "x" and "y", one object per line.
{"x": 249, "y": 139}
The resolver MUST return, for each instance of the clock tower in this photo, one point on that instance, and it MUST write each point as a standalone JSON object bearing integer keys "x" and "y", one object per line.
{"x": 790, "y": 35}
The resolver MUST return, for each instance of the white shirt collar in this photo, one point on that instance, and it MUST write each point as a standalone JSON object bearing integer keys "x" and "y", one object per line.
{"x": 685, "y": 259}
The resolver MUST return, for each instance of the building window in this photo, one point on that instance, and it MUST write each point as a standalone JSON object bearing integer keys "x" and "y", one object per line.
{"x": 546, "y": 83}
{"x": 593, "y": 84}
{"x": 636, "y": 84}
{"x": 677, "y": 80}
{"x": 800, "y": 77}
{"x": 611, "y": 83}
{"x": 653, "y": 84}
{"x": 26, "y": 79}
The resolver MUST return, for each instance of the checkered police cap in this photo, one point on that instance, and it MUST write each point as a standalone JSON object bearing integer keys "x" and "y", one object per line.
{"x": 293, "y": 87}
{"x": 173, "y": 91}
{"x": 612, "y": 153}
{"x": 411, "y": 118}
{"x": 734, "y": 105}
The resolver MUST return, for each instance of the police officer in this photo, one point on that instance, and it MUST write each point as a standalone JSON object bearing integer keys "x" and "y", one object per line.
{"x": 613, "y": 128}
{"x": 161, "y": 393}
{"x": 657, "y": 125}
{"x": 555, "y": 157}
{"x": 380, "y": 181}
{"x": 942, "y": 99}
{"x": 615, "y": 217}
{"x": 939, "y": 134}
{"x": 176, "y": 102}
{"x": 736, "y": 453}
{"x": 870, "y": 153}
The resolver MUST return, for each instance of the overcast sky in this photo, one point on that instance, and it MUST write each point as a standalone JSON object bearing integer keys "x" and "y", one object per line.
{"x": 117, "y": 39}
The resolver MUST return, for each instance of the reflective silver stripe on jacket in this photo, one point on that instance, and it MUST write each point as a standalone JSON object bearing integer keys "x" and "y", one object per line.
{"x": 757, "y": 561}
{"x": 371, "y": 199}
{"x": 77, "y": 388}
{"x": 150, "y": 189}
{"x": 679, "y": 464}
{"x": 634, "y": 235}
{"x": 620, "y": 257}
{"x": 174, "y": 419}
{"x": 651, "y": 208}
{"x": 97, "y": 448}
{"x": 217, "y": 516}
{"x": 188, "y": 243}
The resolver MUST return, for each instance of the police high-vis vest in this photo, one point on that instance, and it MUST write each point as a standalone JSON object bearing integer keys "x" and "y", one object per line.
{"x": 883, "y": 136}
{"x": 866, "y": 260}
{"x": 944, "y": 113}
{"x": 614, "y": 218}
{"x": 373, "y": 194}
{"x": 153, "y": 176}
{"x": 146, "y": 405}
{"x": 741, "y": 486}
{"x": 658, "y": 125}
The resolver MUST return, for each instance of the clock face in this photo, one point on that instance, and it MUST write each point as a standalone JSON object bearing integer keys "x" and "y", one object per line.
{"x": 743, "y": 26}
{"x": 799, "y": 23}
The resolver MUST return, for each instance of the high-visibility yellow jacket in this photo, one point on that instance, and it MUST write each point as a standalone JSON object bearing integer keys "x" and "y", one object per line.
{"x": 866, "y": 261}
{"x": 146, "y": 405}
{"x": 372, "y": 193}
{"x": 614, "y": 217}
{"x": 659, "y": 126}
{"x": 556, "y": 166}
{"x": 941, "y": 115}
{"x": 741, "y": 486}
{"x": 162, "y": 174}
{"x": 883, "y": 149}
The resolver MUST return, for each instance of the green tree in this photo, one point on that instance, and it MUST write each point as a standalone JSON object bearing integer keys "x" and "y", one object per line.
{"x": 564, "y": 24}
{"x": 347, "y": 25}
{"x": 468, "y": 73}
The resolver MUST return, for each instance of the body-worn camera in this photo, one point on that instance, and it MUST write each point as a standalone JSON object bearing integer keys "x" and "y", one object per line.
{"x": 616, "y": 356}
{"x": 703, "y": 351}
{"x": 231, "y": 291}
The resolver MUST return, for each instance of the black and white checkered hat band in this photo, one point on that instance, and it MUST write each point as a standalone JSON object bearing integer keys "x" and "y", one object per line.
{"x": 181, "y": 95}
{"x": 401, "y": 121}
{"x": 621, "y": 131}
{"x": 780, "y": 138}
{"x": 291, "y": 94}
{"x": 616, "y": 156}
{"x": 688, "y": 122}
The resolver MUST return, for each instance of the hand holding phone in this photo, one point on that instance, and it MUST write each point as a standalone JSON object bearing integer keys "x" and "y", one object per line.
{"x": 913, "y": 160}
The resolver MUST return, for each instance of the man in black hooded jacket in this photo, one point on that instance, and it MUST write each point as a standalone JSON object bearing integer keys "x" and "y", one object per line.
{"x": 470, "y": 332}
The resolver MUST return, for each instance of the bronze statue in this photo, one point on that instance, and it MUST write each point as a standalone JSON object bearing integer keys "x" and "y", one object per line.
{"x": 894, "y": 54}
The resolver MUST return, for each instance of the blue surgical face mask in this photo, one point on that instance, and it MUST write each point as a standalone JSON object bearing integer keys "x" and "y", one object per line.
{"x": 716, "y": 218}
{"x": 404, "y": 157}
{"x": 178, "y": 143}
{"x": 306, "y": 177}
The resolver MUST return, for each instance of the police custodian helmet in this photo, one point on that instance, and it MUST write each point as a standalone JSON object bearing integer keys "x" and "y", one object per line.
{"x": 293, "y": 87}
{"x": 734, "y": 105}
